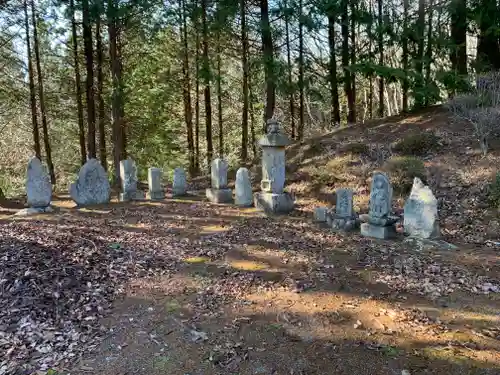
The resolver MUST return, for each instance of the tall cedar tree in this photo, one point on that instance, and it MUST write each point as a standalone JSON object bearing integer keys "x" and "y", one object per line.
{"x": 219, "y": 92}
{"x": 381, "y": 85}
{"x": 289, "y": 68}
{"x": 207, "y": 79}
{"x": 419, "y": 61}
{"x": 197, "y": 86}
{"x": 78, "y": 85}
{"x": 352, "y": 105}
{"x": 188, "y": 114}
{"x": 100, "y": 99}
{"x": 300, "y": 132}
{"x": 488, "y": 53}
{"x": 119, "y": 135}
{"x": 371, "y": 57}
{"x": 458, "y": 55}
{"x": 267, "y": 51}
{"x": 406, "y": 32}
{"x": 34, "y": 115}
{"x": 346, "y": 60}
{"x": 244, "y": 63}
{"x": 41, "y": 97}
{"x": 428, "y": 51}
{"x": 89, "y": 65}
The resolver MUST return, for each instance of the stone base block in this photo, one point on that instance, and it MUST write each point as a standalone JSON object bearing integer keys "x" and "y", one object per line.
{"x": 344, "y": 224}
{"x": 156, "y": 195}
{"x": 219, "y": 195}
{"x": 383, "y": 233}
{"x": 274, "y": 203}
{"x": 34, "y": 211}
{"x": 138, "y": 195}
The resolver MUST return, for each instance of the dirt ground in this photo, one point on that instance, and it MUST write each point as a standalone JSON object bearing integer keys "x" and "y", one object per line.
{"x": 196, "y": 288}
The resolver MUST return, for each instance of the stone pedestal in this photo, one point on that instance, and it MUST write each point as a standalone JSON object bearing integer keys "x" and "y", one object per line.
{"x": 137, "y": 195}
{"x": 375, "y": 231}
{"x": 272, "y": 198}
{"x": 274, "y": 203}
{"x": 219, "y": 195}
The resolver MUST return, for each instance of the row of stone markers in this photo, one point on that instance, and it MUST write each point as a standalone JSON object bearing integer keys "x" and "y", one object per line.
{"x": 420, "y": 211}
{"x": 92, "y": 185}
{"x": 272, "y": 198}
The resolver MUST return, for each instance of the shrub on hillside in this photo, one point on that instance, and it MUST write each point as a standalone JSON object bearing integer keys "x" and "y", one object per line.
{"x": 480, "y": 108}
{"x": 494, "y": 192}
{"x": 417, "y": 144}
{"x": 356, "y": 148}
{"x": 402, "y": 171}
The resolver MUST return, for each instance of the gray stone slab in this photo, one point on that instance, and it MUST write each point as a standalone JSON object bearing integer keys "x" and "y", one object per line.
{"x": 179, "y": 183}
{"x": 243, "y": 195}
{"x": 274, "y": 203}
{"x": 375, "y": 231}
{"x": 218, "y": 173}
{"x": 92, "y": 186}
{"x": 320, "y": 214}
{"x": 156, "y": 195}
{"x": 219, "y": 195}
{"x": 137, "y": 195}
{"x": 421, "y": 212}
{"x": 38, "y": 186}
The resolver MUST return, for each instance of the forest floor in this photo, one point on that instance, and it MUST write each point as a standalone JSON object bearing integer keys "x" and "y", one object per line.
{"x": 186, "y": 287}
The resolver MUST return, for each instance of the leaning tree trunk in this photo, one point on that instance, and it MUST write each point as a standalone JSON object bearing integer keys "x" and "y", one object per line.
{"x": 41, "y": 96}
{"x": 34, "y": 115}
{"x": 89, "y": 64}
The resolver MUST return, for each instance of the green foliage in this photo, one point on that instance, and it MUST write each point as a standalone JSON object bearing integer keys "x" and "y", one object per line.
{"x": 494, "y": 192}
{"x": 356, "y": 148}
{"x": 417, "y": 144}
{"x": 402, "y": 170}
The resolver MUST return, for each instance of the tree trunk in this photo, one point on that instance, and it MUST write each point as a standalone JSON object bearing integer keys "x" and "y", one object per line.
{"x": 100, "y": 100}
{"x": 428, "y": 52}
{"x": 78, "y": 84}
{"x": 219, "y": 96}
{"x": 334, "y": 93}
{"x": 381, "y": 109}
{"x": 41, "y": 96}
{"x": 244, "y": 63}
{"x": 352, "y": 105}
{"x": 300, "y": 130}
{"x": 34, "y": 115}
{"x": 289, "y": 69}
{"x": 419, "y": 65}
{"x": 89, "y": 64}
{"x": 197, "y": 89}
{"x": 252, "y": 118}
{"x": 117, "y": 107}
{"x": 458, "y": 55}
{"x": 267, "y": 51}
{"x": 346, "y": 61}
{"x": 406, "y": 33}
{"x": 488, "y": 53}
{"x": 188, "y": 115}
{"x": 371, "y": 56}
{"x": 207, "y": 78}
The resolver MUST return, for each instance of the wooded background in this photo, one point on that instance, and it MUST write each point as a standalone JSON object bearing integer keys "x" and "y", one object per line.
{"x": 179, "y": 82}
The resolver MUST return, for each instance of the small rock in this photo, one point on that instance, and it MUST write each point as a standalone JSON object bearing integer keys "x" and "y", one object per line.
{"x": 358, "y": 325}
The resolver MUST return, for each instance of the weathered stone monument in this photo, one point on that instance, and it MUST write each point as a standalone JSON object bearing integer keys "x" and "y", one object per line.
{"x": 380, "y": 224}
{"x": 155, "y": 176}
{"x": 219, "y": 192}
{"x": 179, "y": 183}
{"x": 421, "y": 212}
{"x": 320, "y": 214}
{"x": 243, "y": 188}
{"x": 128, "y": 177}
{"x": 344, "y": 217}
{"x": 38, "y": 187}
{"x": 272, "y": 198}
{"x": 92, "y": 185}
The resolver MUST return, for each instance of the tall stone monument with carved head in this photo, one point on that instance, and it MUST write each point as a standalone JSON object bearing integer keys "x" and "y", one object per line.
{"x": 272, "y": 197}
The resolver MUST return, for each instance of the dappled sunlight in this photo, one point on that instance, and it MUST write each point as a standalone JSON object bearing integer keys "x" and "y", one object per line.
{"x": 197, "y": 260}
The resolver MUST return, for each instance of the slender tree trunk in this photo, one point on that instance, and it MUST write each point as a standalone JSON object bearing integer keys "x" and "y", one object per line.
{"x": 300, "y": 130}
{"x": 267, "y": 51}
{"x": 351, "y": 113}
{"x": 428, "y": 53}
{"x": 117, "y": 107}
{"x": 334, "y": 93}
{"x": 188, "y": 115}
{"x": 34, "y": 115}
{"x": 372, "y": 58}
{"x": 207, "y": 78}
{"x": 289, "y": 69}
{"x": 197, "y": 103}
{"x": 41, "y": 96}
{"x": 420, "y": 27}
{"x": 458, "y": 55}
{"x": 381, "y": 109}
{"x": 89, "y": 64}
{"x": 100, "y": 100}
{"x": 352, "y": 106}
{"x": 406, "y": 85}
{"x": 78, "y": 84}
{"x": 252, "y": 119}
{"x": 488, "y": 53}
{"x": 244, "y": 63}
{"x": 219, "y": 97}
